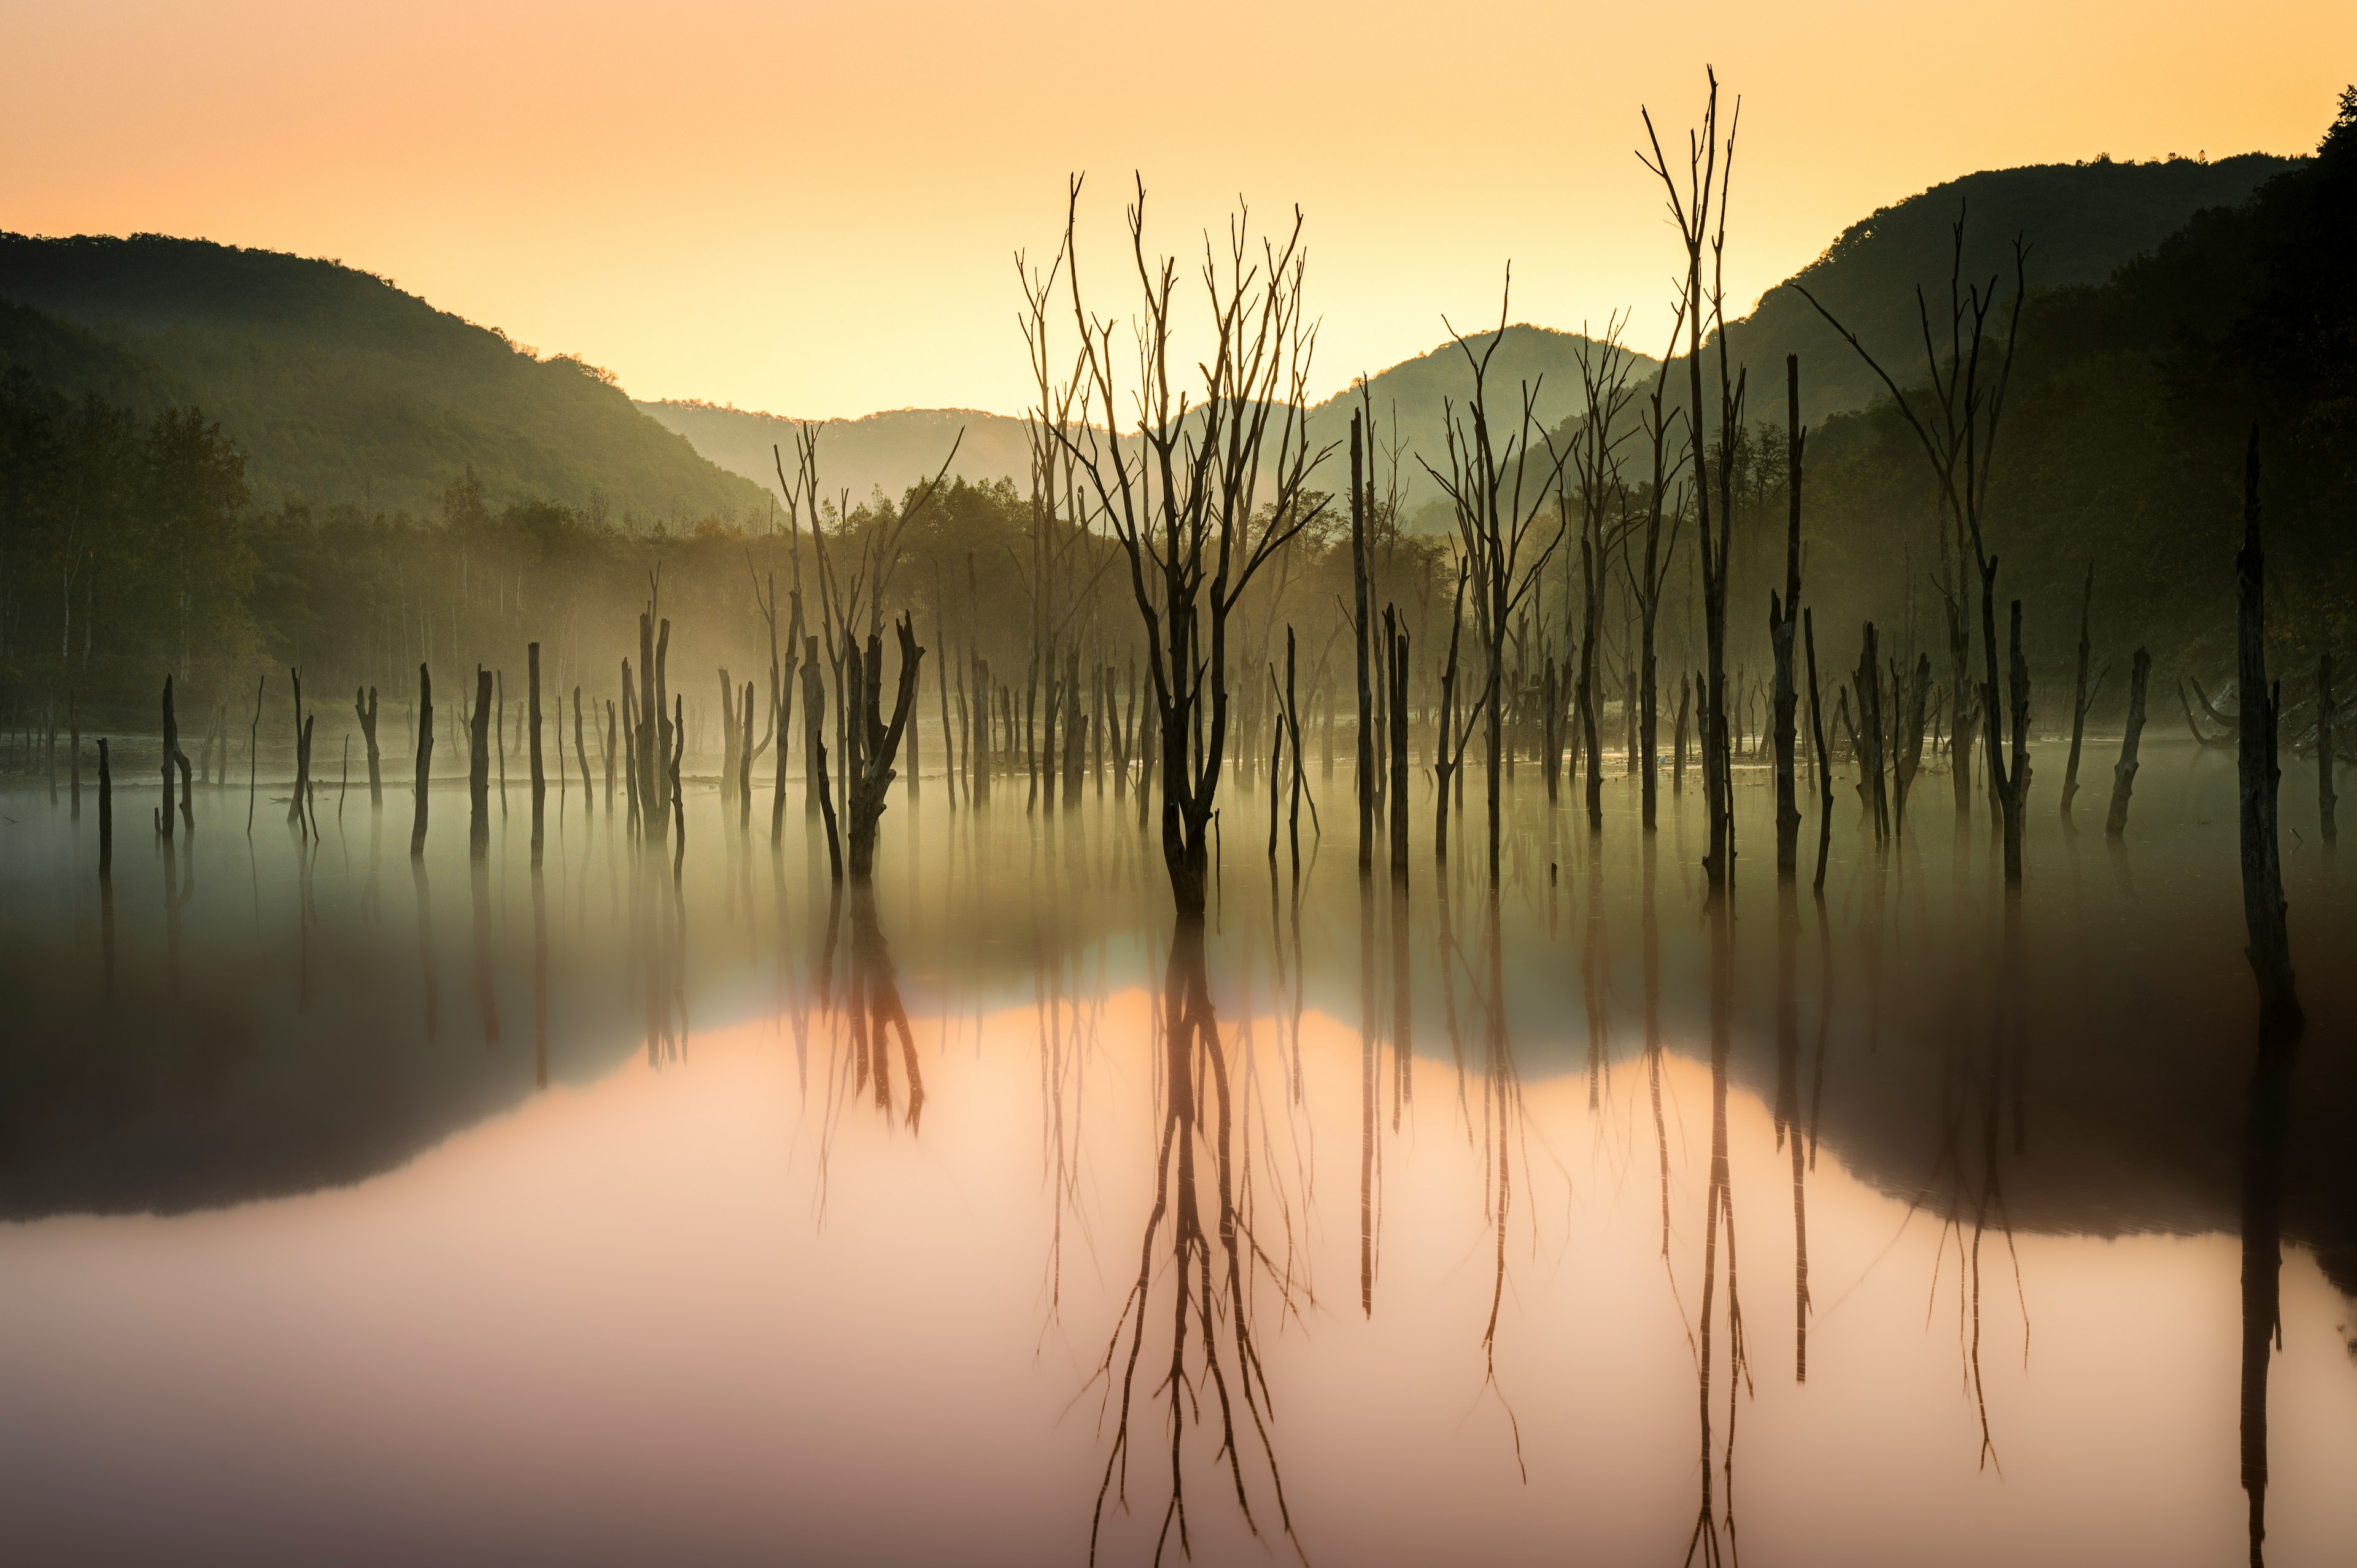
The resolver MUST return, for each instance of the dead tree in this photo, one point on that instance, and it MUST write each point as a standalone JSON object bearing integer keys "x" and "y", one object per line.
{"x": 425, "y": 760}
{"x": 2229, "y": 724}
{"x": 745, "y": 762}
{"x": 1398, "y": 642}
{"x": 806, "y": 451}
{"x": 652, "y": 740}
{"x": 2014, "y": 775}
{"x": 254, "y": 748}
{"x": 1913, "y": 694}
{"x": 1182, "y": 494}
{"x": 813, "y": 705}
{"x": 539, "y": 773}
{"x": 671, "y": 774}
{"x": 854, "y": 607}
{"x": 1361, "y": 633}
{"x": 1866, "y": 681}
{"x": 1695, "y": 202}
{"x": 1818, "y": 744}
{"x": 2263, "y": 895}
{"x": 2083, "y": 695}
{"x": 478, "y": 768}
{"x": 1596, "y": 464}
{"x": 364, "y": 707}
{"x": 728, "y": 725}
{"x": 580, "y": 752}
{"x": 2123, "y": 772}
{"x": 105, "y": 814}
{"x": 1959, "y": 437}
{"x": 606, "y": 744}
{"x": 1300, "y": 777}
{"x": 1449, "y": 749}
{"x": 1678, "y": 745}
{"x": 1781, "y": 613}
{"x": 1496, "y": 508}
{"x": 500, "y": 729}
{"x": 302, "y": 761}
{"x": 631, "y": 772}
{"x": 171, "y": 749}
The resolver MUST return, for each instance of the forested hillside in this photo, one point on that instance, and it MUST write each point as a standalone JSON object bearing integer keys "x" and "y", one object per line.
{"x": 340, "y": 387}
{"x": 2124, "y": 434}
{"x": 2080, "y": 222}
{"x": 885, "y": 451}
{"x": 213, "y": 461}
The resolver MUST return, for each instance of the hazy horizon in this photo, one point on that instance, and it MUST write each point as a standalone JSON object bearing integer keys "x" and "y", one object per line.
{"x": 743, "y": 210}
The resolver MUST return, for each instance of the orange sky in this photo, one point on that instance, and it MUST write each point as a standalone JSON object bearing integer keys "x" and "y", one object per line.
{"x": 812, "y": 209}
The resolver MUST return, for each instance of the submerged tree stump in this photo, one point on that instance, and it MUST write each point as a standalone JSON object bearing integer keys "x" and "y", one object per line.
{"x": 478, "y": 768}
{"x": 424, "y": 758}
{"x": 364, "y": 706}
{"x": 2263, "y": 895}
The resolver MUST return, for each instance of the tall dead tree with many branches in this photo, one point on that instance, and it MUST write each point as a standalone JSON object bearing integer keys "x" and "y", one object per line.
{"x": 1958, "y": 432}
{"x": 1697, "y": 199}
{"x": 1497, "y": 490}
{"x": 1184, "y": 495}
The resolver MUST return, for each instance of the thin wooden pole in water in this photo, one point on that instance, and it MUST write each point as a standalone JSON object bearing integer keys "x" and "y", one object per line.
{"x": 254, "y": 749}
{"x": 539, "y": 774}
{"x": 581, "y": 755}
{"x": 171, "y": 745}
{"x": 364, "y": 706}
{"x": 1824, "y": 757}
{"x": 425, "y": 760}
{"x": 2263, "y": 893}
{"x": 2123, "y": 772}
{"x": 2080, "y": 697}
{"x": 105, "y": 812}
{"x": 1397, "y": 656}
{"x": 478, "y": 768}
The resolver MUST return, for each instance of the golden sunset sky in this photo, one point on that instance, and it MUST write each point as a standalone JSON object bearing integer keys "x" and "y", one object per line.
{"x": 813, "y": 209}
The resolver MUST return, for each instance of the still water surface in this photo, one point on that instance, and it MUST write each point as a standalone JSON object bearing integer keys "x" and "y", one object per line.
{"x": 362, "y": 1212}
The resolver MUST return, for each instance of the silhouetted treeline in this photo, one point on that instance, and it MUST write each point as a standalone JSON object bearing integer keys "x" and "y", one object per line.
{"x": 2124, "y": 427}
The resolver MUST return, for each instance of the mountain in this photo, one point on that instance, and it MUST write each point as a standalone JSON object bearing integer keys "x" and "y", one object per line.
{"x": 895, "y": 449}
{"x": 2082, "y": 223}
{"x": 888, "y": 451}
{"x": 1411, "y": 400}
{"x": 2123, "y": 448}
{"x": 339, "y": 387}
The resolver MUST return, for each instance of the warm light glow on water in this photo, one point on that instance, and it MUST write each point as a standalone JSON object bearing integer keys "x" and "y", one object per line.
{"x": 336, "y": 1235}
{"x": 696, "y": 1311}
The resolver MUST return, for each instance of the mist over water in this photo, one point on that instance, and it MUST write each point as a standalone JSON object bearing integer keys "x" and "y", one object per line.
{"x": 365, "y": 1209}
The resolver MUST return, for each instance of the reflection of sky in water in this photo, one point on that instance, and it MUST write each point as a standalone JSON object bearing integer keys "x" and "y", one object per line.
{"x": 407, "y": 1306}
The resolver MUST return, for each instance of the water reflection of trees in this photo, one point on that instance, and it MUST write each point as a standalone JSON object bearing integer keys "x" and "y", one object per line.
{"x": 1202, "y": 1248}
{"x": 1713, "y": 1539}
{"x": 2264, "y": 1140}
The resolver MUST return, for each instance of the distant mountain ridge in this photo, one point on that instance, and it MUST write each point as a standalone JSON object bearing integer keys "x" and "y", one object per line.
{"x": 344, "y": 389}
{"x": 2083, "y": 220}
{"x": 888, "y": 451}
{"x": 340, "y": 387}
